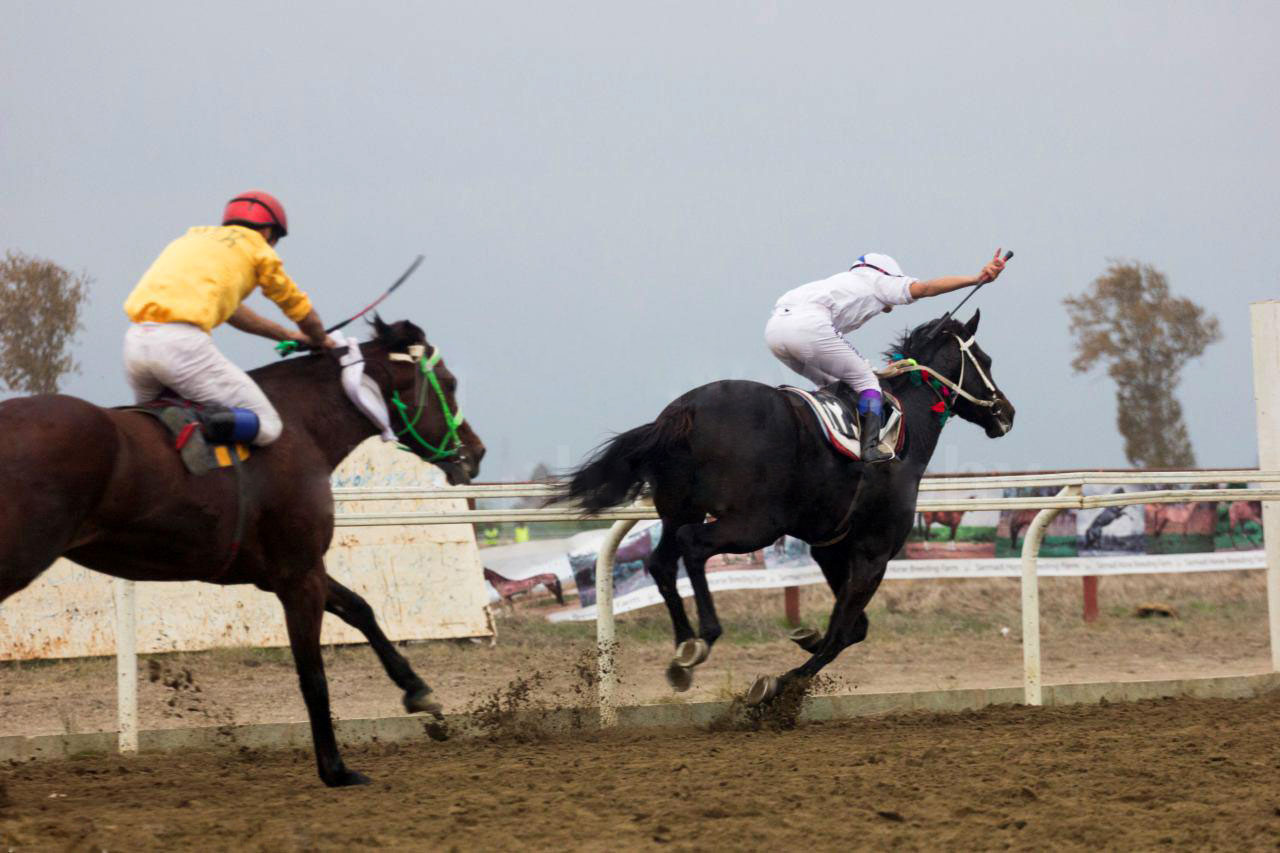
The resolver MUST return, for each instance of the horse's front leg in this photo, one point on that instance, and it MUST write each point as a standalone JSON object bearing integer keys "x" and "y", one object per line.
{"x": 356, "y": 612}
{"x": 848, "y": 625}
{"x": 834, "y": 562}
{"x": 304, "y": 600}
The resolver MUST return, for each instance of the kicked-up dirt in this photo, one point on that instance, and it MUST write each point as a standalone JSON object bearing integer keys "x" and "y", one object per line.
{"x": 1170, "y": 773}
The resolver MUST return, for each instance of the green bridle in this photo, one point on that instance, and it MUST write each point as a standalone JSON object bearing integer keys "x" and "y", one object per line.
{"x": 450, "y": 443}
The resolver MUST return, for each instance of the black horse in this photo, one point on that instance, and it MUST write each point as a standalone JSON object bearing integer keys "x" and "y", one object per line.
{"x": 734, "y": 465}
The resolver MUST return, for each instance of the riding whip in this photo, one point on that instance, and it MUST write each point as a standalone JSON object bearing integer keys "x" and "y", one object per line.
{"x": 286, "y": 347}
{"x": 949, "y": 314}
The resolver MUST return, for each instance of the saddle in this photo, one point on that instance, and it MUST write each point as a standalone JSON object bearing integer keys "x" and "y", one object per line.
{"x": 182, "y": 419}
{"x": 837, "y": 415}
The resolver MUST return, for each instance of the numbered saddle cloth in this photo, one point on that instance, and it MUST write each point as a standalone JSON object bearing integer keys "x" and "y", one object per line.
{"x": 838, "y": 418}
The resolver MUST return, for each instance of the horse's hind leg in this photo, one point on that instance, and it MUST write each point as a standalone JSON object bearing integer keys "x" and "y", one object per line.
{"x": 700, "y": 542}
{"x": 356, "y": 612}
{"x": 25, "y": 553}
{"x": 662, "y": 566}
{"x": 304, "y": 600}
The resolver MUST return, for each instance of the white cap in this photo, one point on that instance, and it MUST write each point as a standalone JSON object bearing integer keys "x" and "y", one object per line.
{"x": 883, "y": 262}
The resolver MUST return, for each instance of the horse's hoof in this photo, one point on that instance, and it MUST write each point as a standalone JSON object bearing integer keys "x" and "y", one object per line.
{"x": 805, "y": 638}
{"x": 679, "y": 677}
{"x": 765, "y": 688}
{"x": 345, "y": 778}
{"x": 420, "y": 702}
{"x": 691, "y": 653}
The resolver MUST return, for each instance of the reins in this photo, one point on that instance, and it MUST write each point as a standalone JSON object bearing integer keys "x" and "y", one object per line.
{"x": 909, "y": 365}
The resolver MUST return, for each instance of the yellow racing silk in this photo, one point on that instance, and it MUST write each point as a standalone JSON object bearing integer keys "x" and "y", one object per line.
{"x": 202, "y": 277}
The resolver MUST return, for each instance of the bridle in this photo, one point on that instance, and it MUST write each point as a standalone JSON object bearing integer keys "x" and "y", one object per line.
{"x": 909, "y": 365}
{"x": 966, "y": 348}
{"x": 450, "y": 443}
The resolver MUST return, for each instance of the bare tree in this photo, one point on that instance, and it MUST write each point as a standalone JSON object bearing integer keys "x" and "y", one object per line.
{"x": 40, "y": 305}
{"x": 1128, "y": 322}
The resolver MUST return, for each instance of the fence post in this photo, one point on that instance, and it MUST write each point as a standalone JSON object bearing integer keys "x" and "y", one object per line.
{"x": 1031, "y": 678}
{"x": 1265, "y": 324}
{"x": 126, "y": 665}
{"x": 1089, "y": 588}
{"x": 791, "y": 605}
{"x": 606, "y": 635}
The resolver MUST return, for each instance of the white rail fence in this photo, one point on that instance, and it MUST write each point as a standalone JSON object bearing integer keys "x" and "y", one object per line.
{"x": 1069, "y": 496}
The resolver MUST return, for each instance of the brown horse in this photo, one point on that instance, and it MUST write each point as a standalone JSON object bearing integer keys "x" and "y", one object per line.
{"x": 1181, "y": 518}
{"x": 508, "y": 589}
{"x": 105, "y": 488}
{"x": 947, "y": 518}
{"x": 1019, "y": 519}
{"x": 1240, "y": 512}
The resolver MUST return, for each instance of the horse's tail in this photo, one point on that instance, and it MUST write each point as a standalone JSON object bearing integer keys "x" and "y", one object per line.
{"x": 618, "y": 469}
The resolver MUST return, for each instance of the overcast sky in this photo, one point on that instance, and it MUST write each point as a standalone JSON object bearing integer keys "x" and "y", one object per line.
{"x": 611, "y": 197}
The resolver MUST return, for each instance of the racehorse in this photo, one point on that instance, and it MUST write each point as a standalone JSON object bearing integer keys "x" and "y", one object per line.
{"x": 734, "y": 465}
{"x": 947, "y": 518}
{"x": 1185, "y": 518}
{"x": 1240, "y": 512}
{"x": 1018, "y": 521}
{"x": 1103, "y": 520}
{"x": 508, "y": 589}
{"x": 106, "y": 489}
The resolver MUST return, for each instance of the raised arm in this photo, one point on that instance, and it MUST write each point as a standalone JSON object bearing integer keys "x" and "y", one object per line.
{"x": 948, "y": 283}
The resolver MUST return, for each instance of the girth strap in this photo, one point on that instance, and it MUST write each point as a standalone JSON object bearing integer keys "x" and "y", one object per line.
{"x": 242, "y": 511}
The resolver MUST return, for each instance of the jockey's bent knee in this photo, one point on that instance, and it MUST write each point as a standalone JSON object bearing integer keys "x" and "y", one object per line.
{"x": 269, "y": 428}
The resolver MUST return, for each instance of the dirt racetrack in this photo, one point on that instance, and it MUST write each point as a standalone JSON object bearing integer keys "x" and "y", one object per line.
{"x": 1185, "y": 773}
{"x": 925, "y": 635}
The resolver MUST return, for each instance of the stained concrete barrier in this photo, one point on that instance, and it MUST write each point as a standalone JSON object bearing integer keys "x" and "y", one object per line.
{"x": 691, "y": 714}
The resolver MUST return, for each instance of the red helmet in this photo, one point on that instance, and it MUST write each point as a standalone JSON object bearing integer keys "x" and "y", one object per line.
{"x": 255, "y": 209}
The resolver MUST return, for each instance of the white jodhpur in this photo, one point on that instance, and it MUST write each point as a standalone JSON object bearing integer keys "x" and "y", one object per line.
{"x": 803, "y": 338}
{"x": 183, "y": 358}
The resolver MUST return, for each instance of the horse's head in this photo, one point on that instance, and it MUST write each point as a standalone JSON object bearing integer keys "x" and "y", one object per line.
{"x": 419, "y": 389}
{"x": 951, "y": 348}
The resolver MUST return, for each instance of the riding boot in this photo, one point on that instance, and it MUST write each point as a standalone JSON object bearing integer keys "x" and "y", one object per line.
{"x": 869, "y": 427}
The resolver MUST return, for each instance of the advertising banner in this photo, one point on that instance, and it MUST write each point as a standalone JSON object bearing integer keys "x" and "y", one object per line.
{"x": 1132, "y": 539}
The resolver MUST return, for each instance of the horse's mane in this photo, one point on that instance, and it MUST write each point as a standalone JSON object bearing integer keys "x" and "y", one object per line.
{"x": 393, "y": 337}
{"x": 922, "y": 342}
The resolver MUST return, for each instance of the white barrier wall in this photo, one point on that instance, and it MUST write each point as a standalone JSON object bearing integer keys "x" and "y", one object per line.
{"x": 424, "y": 582}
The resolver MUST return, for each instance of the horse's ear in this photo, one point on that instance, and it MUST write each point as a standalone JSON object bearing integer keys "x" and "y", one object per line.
{"x": 381, "y": 329}
{"x": 972, "y": 326}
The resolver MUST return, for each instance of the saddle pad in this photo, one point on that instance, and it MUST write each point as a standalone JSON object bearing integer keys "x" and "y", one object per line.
{"x": 839, "y": 421}
{"x": 197, "y": 454}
